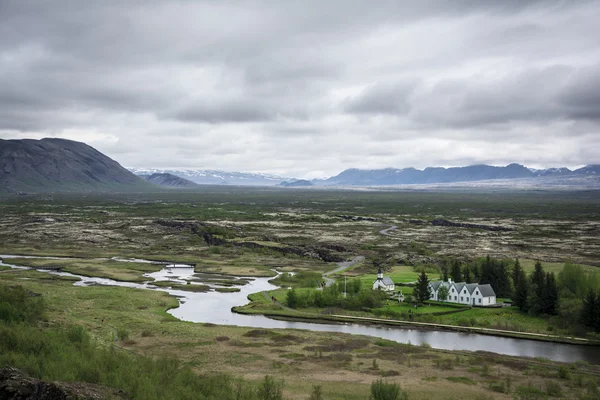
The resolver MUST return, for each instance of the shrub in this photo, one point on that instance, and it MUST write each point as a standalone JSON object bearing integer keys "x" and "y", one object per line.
{"x": 553, "y": 389}
{"x": 270, "y": 389}
{"x": 317, "y": 393}
{"x": 381, "y": 390}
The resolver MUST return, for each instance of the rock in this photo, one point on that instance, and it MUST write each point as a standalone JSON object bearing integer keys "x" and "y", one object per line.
{"x": 443, "y": 222}
{"x": 15, "y": 385}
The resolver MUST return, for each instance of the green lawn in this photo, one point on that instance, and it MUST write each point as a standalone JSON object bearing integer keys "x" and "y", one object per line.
{"x": 399, "y": 274}
{"x": 528, "y": 265}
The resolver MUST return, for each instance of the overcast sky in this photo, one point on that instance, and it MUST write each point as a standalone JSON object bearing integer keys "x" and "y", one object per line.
{"x": 306, "y": 88}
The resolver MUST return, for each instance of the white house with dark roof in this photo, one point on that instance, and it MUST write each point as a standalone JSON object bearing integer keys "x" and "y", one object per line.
{"x": 383, "y": 282}
{"x": 464, "y": 293}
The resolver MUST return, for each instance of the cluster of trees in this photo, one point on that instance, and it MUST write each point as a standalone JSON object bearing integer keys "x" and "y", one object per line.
{"x": 333, "y": 296}
{"x": 483, "y": 270}
{"x": 536, "y": 294}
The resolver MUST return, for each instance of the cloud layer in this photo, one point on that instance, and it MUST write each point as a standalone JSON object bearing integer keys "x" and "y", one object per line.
{"x": 305, "y": 88}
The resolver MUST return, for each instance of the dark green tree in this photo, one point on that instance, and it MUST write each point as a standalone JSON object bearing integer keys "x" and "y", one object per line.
{"x": 549, "y": 299}
{"x": 497, "y": 274}
{"x": 422, "y": 291}
{"x": 455, "y": 271}
{"x": 467, "y": 274}
{"x": 516, "y": 273}
{"x": 536, "y": 293}
{"x": 590, "y": 312}
{"x": 444, "y": 272}
{"x": 520, "y": 298}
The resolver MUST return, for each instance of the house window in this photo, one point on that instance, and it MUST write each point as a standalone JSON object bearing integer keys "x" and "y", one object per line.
{"x": 479, "y": 301}
{"x": 461, "y": 298}
{"x": 454, "y": 297}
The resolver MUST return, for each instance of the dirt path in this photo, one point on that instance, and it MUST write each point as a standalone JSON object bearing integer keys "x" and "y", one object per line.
{"x": 386, "y": 231}
{"x": 342, "y": 266}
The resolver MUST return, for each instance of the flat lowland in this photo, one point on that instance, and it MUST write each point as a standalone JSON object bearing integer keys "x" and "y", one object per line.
{"x": 344, "y": 365}
{"x": 233, "y": 232}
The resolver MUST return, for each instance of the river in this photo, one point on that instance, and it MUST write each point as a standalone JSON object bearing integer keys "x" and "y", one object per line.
{"x": 215, "y": 307}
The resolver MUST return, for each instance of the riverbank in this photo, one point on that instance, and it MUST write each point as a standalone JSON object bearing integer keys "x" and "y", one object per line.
{"x": 258, "y": 306}
{"x": 343, "y": 364}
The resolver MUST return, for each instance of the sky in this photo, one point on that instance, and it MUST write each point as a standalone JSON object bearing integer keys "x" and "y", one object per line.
{"x": 306, "y": 88}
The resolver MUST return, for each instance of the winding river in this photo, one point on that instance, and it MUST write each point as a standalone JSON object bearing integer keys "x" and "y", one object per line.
{"x": 215, "y": 307}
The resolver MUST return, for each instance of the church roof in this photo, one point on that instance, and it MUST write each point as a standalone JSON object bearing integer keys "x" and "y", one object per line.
{"x": 387, "y": 281}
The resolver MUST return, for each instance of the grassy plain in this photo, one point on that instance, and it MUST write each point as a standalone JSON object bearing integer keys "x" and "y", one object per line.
{"x": 344, "y": 365}
{"x": 302, "y": 230}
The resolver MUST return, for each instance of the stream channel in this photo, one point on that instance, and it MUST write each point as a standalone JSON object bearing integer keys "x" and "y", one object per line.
{"x": 215, "y": 307}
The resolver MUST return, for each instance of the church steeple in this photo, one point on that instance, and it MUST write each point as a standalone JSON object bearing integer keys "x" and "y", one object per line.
{"x": 380, "y": 274}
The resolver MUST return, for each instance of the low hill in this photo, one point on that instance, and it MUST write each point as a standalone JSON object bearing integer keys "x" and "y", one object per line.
{"x": 168, "y": 180}
{"x": 296, "y": 184}
{"x": 50, "y": 164}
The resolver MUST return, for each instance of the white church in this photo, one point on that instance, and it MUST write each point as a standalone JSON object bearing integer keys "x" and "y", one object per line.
{"x": 464, "y": 293}
{"x": 384, "y": 283}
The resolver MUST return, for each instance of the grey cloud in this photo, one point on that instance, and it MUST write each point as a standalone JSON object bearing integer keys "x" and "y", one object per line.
{"x": 383, "y": 98}
{"x": 171, "y": 79}
{"x": 230, "y": 111}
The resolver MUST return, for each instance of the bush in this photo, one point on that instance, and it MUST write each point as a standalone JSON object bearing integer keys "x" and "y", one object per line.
{"x": 270, "y": 389}
{"x": 553, "y": 389}
{"x": 19, "y": 305}
{"x": 381, "y": 390}
{"x": 317, "y": 393}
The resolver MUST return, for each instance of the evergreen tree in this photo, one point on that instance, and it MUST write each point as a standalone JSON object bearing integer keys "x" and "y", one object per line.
{"x": 549, "y": 295}
{"x": 496, "y": 273}
{"x": 422, "y": 291}
{"x": 455, "y": 272}
{"x": 467, "y": 274}
{"x": 516, "y": 273}
{"x": 538, "y": 282}
{"x": 475, "y": 271}
{"x": 589, "y": 312}
{"x": 444, "y": 272}
{"x": 521, "y": 292}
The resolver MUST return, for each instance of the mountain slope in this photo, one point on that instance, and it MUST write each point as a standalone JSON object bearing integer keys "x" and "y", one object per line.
{"x": 61, "y": 165}
{"x": 169, "y": 180}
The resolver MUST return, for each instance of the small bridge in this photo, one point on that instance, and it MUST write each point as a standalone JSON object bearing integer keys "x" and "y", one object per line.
{"x": 175, "y": 266}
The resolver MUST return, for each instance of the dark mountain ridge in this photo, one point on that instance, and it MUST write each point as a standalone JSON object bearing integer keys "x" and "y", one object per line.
{"x": 168, "y": 180}
{"x": 61, "y": 165}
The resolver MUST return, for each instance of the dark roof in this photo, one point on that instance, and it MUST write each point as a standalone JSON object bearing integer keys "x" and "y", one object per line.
{"x": 459, "y": 286}
{"x": 387, "y": 281}
{"x": 471, "y": 287}
{"x": 486, "y": 290}
{"x": 436, "y": 285}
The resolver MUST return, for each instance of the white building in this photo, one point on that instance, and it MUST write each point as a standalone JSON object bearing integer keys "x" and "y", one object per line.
{"x": 383, "y": 283}
{"x": 464, "y": 293}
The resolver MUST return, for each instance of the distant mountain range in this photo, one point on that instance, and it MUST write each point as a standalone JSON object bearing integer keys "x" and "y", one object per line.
{"x": 214, "y": 177}
{"x": 392, "y": 176}
{"x": 65, "y": 165}
{"x": 61, "y": 165}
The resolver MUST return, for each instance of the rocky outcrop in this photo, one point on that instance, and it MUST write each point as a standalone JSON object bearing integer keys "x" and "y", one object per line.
{"x": 443, "y": 222}
{"x": 198, "y": 228}
{"x": 15, "y": 385}
{"x": 356, "y": 218}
